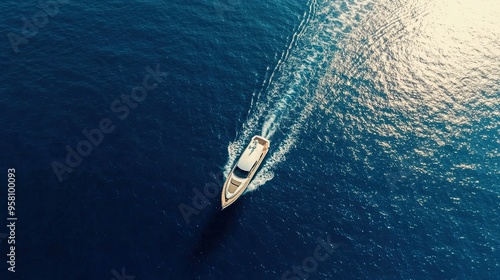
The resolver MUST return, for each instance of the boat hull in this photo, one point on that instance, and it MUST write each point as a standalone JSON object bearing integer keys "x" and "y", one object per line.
{"x": 234, "y": 187}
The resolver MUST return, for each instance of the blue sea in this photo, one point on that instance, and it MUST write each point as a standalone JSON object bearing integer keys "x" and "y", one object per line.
{"x": 121, "y": 120}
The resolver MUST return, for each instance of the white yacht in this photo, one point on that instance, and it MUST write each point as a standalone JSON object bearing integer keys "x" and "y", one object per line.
{"x": 243, "y": 172}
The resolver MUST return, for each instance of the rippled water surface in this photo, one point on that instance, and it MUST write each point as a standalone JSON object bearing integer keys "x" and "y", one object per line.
{"x": 383, "y": 117}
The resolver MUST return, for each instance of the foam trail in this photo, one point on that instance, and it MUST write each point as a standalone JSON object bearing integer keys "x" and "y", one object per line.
{"x": 265, "y": 174}
{"x": 261, "y": 106}
{"x": 289, "y": 97}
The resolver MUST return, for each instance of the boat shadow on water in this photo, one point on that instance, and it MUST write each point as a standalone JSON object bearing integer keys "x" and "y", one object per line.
{"x": 212, "y": 235}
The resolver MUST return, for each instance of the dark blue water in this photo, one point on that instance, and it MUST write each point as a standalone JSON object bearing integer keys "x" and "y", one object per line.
{"x": 384, "y": 121}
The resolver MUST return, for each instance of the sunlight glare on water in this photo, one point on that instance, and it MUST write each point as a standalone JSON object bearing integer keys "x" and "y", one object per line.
{"x": 422, "y": 80}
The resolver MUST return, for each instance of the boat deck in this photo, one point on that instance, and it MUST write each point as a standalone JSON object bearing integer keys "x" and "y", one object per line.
{"x": 262, "y": 142}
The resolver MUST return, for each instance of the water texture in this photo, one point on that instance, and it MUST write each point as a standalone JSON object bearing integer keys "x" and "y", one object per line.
{"x": 383, "y": 117}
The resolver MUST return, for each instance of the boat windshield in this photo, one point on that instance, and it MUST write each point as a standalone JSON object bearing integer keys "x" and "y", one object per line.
{"x": 240, "y": 173}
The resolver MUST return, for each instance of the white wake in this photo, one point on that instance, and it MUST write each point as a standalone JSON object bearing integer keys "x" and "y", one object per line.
{"x": 284, "y": 105}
